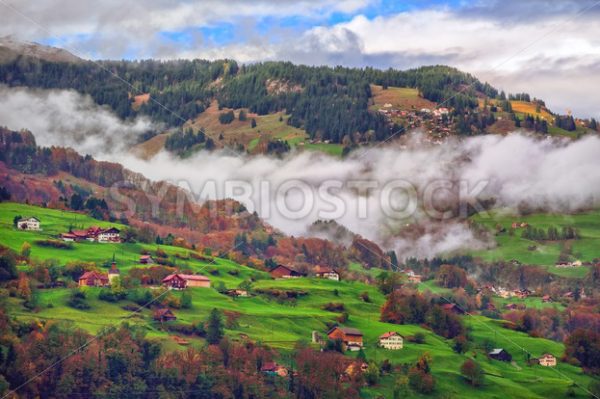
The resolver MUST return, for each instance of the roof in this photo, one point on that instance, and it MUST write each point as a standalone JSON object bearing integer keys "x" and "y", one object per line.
{"x": 289, "y": 270}
{"x": 547, "y": 355}
{"x": 389, "y": 334}
{"x": 324, "y": 269}
{"x": 163, "y": 312}
{"x": 113, "y": 269}
{"x": 28, "y": 217}
{"x": 496, "y": 351}
{"x": 145, "y": 257}
{"x": 194, "y": 277}
{"x": 347, "y": 331}
{"x": 93, "y": 274}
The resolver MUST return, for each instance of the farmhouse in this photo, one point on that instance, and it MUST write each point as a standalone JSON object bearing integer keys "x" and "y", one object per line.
{"x": 30, "y": 223}
{"x": 180, "y": 281}
{"x": 546, "y": 299}
{"x": 413, "y": 277}
{"x": 327, "y": 272}
{"x": 547, "y": 360}
{"x": 146, "y": 260}
{"x": 352, "y": 338}
{"x": 391, "y": 340}
{"x": 93, "y": 233}
{"x": 282, "y": 271}
{"x": 500, "y": 354}
{"x": 93, "y": 279}
{"x": 163, "y": 315}
{"x": 109, "y": 235}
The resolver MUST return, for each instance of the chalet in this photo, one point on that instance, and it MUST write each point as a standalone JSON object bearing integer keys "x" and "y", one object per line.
{"x": 282, "y": 271}
{"x": 113, "y": 273}
{"x": 547, "y": 360}
{"x": 93, "y": 233}
{"x": 180, "y": 281}
{"x": 391, "y": 340}
{"x": 30, "y": 223}
{"x": 500, "y": 354}
{"x": 546, "y": 299}
{"x": 93, "y": 279}
{"x": 109, "y": 235}
{"x": 452, "y": 308}
{"x": 352, "y": 338}
{"x": 327, "y": 272}
{"x": 146, "y": 260}
{"x": 163, "y": 315}
{"x": 413, "y": 277}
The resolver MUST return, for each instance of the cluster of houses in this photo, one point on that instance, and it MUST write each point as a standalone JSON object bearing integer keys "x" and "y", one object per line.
{"x": 352, "y": 338}
{"x": 519, "y": 225}
{"x": 29, "y": 223}
{"x": 94, "y": 234}
{"x": 576, "y": 263}
{"x": 546, "y": 360}
{"x": 506, "y": 293}
{"x": 282, "y": 271}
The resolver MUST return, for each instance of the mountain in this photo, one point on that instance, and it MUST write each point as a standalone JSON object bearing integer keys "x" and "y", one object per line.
{"x": 274, "y": 106}
{"x": 11, "y": 50}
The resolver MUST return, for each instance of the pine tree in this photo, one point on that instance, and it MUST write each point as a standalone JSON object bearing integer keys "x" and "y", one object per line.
{"x": 214, "y": 329}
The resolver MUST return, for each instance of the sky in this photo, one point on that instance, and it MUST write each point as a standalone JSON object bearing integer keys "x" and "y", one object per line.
{"x": 550, "y": 49}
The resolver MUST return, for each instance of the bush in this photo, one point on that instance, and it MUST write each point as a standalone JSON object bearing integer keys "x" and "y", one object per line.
{"x": 334, "y": 307}
{"x": 109, "y": 295}
{"x": 226, "y": 117}
{"x": 78, "y": 300}
{"x": 418, "y": 338}
{"x": 364, "y": 296}
{"x": 54, "y": 244}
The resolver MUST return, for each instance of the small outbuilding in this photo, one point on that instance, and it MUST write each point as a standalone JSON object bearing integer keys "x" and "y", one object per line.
{"x": 500, "y": 354}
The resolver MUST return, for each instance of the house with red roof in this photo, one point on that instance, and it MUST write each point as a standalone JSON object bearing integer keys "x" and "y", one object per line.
{"x": 93, "y": 279}
{"x": 391, "y": 340}
{"x": 351, "y": 338}
{"x": 163, "y": 315}
{"x": 282, "y": 271}
{"x": 180, "y": 281}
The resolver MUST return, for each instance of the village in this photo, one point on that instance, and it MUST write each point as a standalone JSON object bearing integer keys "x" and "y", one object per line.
{"x": 347, "y": 339}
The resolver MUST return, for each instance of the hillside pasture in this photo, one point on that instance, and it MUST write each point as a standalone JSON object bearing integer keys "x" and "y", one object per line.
{"x": 403, "y": 98}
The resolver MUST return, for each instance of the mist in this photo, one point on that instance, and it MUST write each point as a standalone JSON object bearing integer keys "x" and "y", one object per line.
{"x": 516, "y": 171}
{"x": 69, "y": 119}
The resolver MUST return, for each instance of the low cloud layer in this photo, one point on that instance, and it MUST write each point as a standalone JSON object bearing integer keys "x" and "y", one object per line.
{"x": 68, "y": 119}
{"x": 516, "y": 171}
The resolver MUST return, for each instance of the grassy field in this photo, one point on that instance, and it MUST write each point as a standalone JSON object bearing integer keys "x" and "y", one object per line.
{"x": 403, "y": 98}
{"x": 281, "y": 324}
{"x": 587, "y": 248}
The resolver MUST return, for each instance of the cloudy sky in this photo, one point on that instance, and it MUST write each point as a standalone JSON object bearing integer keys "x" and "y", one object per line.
{"x": 550, "y": 49}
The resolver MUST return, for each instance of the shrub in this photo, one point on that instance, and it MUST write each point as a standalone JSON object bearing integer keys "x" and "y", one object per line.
{"x": 54, "y": 244}
{"x": 334, "y": 307}
{"x": 226, "y": 118}
{"x": 78, "y": 300}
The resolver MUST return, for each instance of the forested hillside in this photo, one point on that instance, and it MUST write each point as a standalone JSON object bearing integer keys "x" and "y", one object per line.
{"x": 328, "y": 103}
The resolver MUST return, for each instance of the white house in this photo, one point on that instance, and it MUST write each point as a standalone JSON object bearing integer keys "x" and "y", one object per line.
{"x": 30, "y": 223}
{"x": 109, "y": 235}
{"x": 547, "y": 360}
{"x": 391, "y": 340}
{"x": 326, "y": 272}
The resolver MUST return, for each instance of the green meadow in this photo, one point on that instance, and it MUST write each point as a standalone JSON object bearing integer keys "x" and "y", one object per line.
{"x": 282, "y": 323}
{"x": 546, "y": 253}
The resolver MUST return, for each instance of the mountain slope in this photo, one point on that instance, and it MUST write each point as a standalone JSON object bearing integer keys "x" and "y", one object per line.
{"x": 11, "y": 49}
